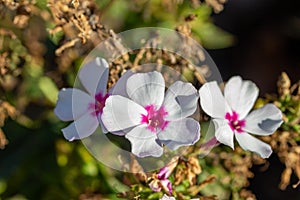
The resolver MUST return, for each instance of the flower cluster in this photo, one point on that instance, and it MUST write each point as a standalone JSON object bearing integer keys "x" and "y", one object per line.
{"x": 231, "y": 117}
{"x": 149, "y": 118}
{"x": 161, "y": 180}
{"x": 139, "y": 109}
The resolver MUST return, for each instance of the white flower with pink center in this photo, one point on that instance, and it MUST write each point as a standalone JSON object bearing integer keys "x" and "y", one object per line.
{"x": 85, "y": 108}
{"x": 231, "y": 115}
{"x": 155, "y": 118}
{"x": 149, "y": 118}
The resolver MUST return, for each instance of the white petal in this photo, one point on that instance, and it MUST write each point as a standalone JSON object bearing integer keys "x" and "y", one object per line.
{"x": 72, "y": 103}
{"x": 166, "y": 197}
{"x": 179, "y": 133}
{"x": 120, "y": 87}
{"x": 240, "y": 95}
{"x": 122, "y": 132}
{"x": 81, "y": 128}
{"x": 264, "y": 121}
{"x": 212, "y": 100}
{"x": 181, "y": 100}
{"x": 250, "y": 143}
{"x": 94, "y": 76}
{"x": 120, "y": 113}
{"x": 146, "y": 88}
{"x": 144, "y": 142}
{"x": 223, "y": 132}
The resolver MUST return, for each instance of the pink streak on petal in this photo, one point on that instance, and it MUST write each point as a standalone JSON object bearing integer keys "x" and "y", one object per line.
{"x": 162, "y": 173}
{"x": 210, "y": 143}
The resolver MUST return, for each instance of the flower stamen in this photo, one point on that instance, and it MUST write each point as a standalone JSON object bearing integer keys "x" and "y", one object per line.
{"x": 99, "y": 103}
{"x": 155, "y": 118}
{"x": 234, "y": 122}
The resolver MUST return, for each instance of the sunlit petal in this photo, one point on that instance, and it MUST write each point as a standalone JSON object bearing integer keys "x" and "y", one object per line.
{"x": 121, "y": 113}
{"x": 212, "y": 100}
{"x": 181, "y": 100}
{"x": 146, "y": 88}
{"x": 250, "y": 143}
{"x": 72, "y": 104}
{"x": 179, "y": 133}
{"x": 240, "y": 95}
{"x": 264, "y": 121}
{"x": 223, "y": 132}
{"x": 143, "y": 142}
{"x": 81, "y": 128}
{"x": 94, "y": 76}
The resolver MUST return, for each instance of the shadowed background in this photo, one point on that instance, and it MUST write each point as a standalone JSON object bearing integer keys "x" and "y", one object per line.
{"x": 267, "y": 43}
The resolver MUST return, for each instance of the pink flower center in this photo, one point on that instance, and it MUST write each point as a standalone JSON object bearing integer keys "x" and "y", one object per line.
{"x": 99, "y": 103}
{"x": 234, "y": 122}
{"x": 155, "y": 118}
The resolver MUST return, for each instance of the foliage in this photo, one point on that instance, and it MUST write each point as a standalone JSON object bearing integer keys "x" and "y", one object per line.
{"x": 286, "y": 141}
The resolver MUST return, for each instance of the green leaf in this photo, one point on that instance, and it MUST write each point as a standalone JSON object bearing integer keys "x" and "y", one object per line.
{"x": 213, "y": 37}
{"x": 48, "y": 88}
{"x": 3, "y": 186}
{"x": 57, "y": 37}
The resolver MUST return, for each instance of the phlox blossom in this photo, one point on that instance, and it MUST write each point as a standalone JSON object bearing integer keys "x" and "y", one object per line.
{"x": 231, "y": 117}
{"x": 150, "y": 118}
{"x": 84, "y": 108}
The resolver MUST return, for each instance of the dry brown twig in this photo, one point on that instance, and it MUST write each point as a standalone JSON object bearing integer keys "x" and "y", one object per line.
{"x": 282, "y": 141}
{"x": 6, "y": 110}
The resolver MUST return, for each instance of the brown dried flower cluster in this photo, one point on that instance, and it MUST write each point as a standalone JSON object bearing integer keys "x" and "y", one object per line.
{"x": 288, "y": 152}
{"x": 19, "y": 10}
{"x": 170, "y": 5}
{"x": 187, "y": 169}
{"x": 79, "y": 21}
{"x": 6, "y": 110}
{"x": 153, "y": 52}
{"x": 4, "y": 64}
{"x": 83, "y": 30}
{"x": 217, "y": 5}
{"x": 284, "y": 141}
{"x": 238, "y": 164}
{"x": 15, "y": 14}
{"x": 5, "y": 60}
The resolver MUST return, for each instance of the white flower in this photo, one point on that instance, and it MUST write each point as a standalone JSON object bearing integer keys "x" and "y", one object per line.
{"x": 84, "y": 108}
{"x": 150, "y": 118}
{"x": 231, "y": 118}
{"x": 166, "y": 197}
